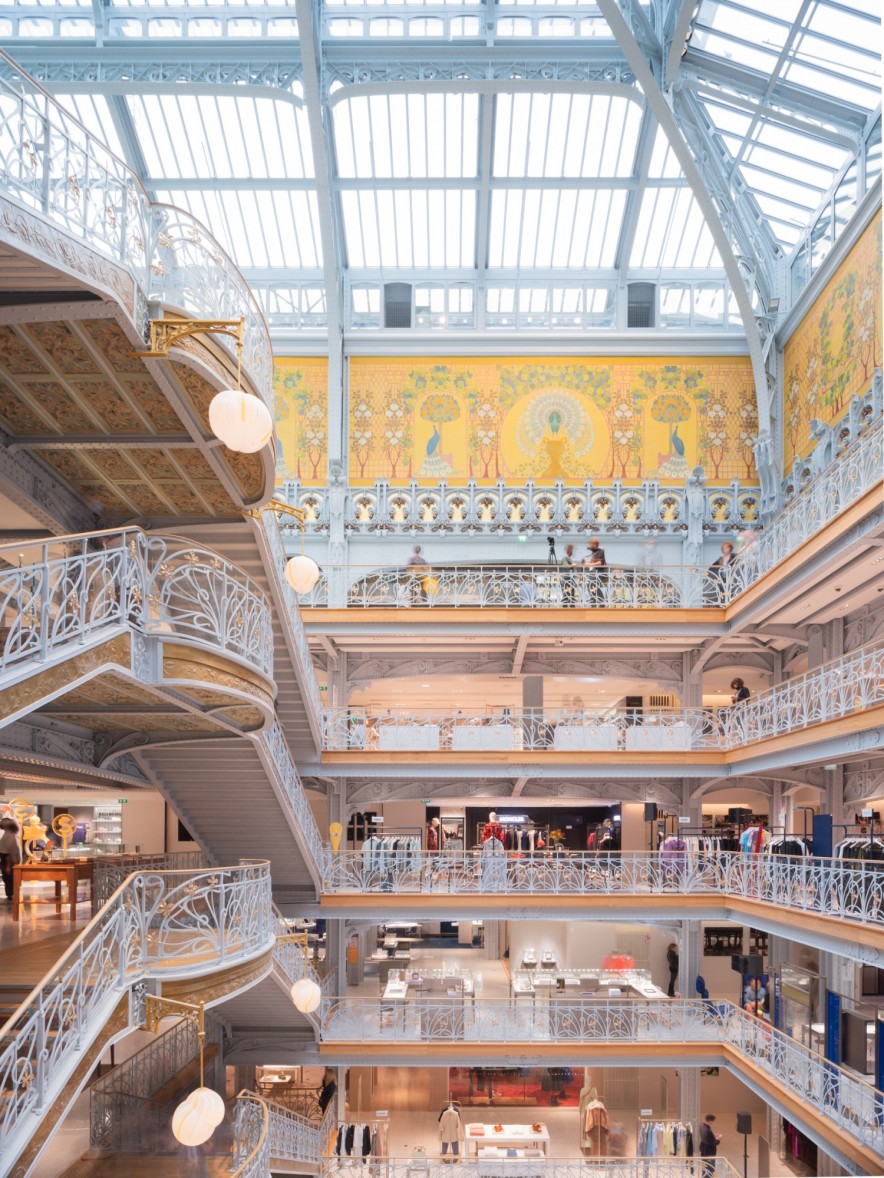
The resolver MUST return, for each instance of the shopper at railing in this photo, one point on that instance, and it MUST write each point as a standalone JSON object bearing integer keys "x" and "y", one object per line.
{"x": 740, "y": 691}
{"x": 719, "y": 571}
{"x": 569, "y": 579}
{"x": 597, "y": 572}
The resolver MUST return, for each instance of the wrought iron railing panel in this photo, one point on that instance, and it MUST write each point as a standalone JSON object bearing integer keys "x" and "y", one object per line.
{"x": 276, "y": 749}
{"x": 844, "y": 481}
{"x": 157, "y": 923}
{"x": 844, "y": 888}
{"x": 53, "y": 166}
{"x": 110, "y": 871}
{"x": 251, "y": 1137}
{"x": 156, "y": 584}
{"x": 832, "y": 1092}
{"x": 519, "y": 586}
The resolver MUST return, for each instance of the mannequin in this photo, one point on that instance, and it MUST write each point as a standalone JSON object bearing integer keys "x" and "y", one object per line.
{"x": 434, "y": 835}
{"x": 493, "y": 855}
{"x": 451, "y": 1132}
{"x": 493, "y": 830}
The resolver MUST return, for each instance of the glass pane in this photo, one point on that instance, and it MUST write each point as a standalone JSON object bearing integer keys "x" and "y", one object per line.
{"x": 820, "y": 239}
{"x": 675, "y": 304}
{"x": 709, "y": 304}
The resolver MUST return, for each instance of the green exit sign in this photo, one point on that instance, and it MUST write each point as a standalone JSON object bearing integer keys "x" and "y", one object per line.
{"x": 122, "y": 801}
{"x": 322, "y": 687}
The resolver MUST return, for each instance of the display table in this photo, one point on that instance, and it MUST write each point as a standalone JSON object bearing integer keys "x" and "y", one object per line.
{"x": 408, "y": 737}
{"x": 659, "y": 737}
{"x": 497, "y": 737}
{"x": 480, "y": 1135}
{"x": 67, "y": 871}
{"x": 585, "y": 738}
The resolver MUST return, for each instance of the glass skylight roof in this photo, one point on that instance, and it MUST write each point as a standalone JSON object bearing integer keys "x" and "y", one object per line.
{"x": 499, "y": 190}
{"x": 786, "y": 147}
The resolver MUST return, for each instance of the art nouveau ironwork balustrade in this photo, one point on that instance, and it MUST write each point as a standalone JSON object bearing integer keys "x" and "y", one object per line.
{"x": 276, "y": 750}
{"x": 850, "y": 890}
{"x": 157, "y": 924}
{"x": 520, "y": 586}
{"x": 110, "y": 871}
{"x": 251, "y": 1136}
{"x": 855, "y": 471}
{"x": 155, "y": 584}
{"x": 832, "y": 1092}
{"x": 54, "y": 167}
{"x": 832, "y": 691}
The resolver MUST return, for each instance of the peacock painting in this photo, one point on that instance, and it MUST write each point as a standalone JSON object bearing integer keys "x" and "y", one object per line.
{"x": 438, "y": 409}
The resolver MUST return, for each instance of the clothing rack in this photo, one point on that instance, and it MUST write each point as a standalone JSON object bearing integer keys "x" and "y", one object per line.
{"x": 537, "y": 835}
{"x": 659, "y": 1137}
{"x": 593, "y": 1122}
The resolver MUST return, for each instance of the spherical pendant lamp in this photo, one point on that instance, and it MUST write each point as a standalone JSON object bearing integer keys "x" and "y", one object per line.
{"x": 302, "y": 573}
{"x": 190, "y": 1125}
{"x": 210, "y": 1104}
{"x": 240, "y": 420}
{"x": 306, "y": 995}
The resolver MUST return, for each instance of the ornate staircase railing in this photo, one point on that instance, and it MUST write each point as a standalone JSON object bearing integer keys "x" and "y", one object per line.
{"x": 155, "y": 584}
{"x": 54, "y": 167}
{"x": 157, "y": 924}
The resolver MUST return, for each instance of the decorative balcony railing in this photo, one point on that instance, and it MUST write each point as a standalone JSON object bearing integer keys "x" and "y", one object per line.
{"x": 832, "y": 691}
{"x": 832, "y": 1092}
{"x": 156, "y": 584}
{"x": 520, "y": 586}
{"x": 157, "y": 924}
{"x": 856, "y": 470}
{"x": 54, "y": 167}
{"x": 503, "y": 509}
{"x": 847, "y": 889}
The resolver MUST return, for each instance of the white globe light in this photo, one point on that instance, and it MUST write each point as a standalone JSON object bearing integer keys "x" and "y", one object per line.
{"x": 306, "y": 995}
{"x": 302, "y": 573}
{"x": 241, "y": 421}
{"x": 189, "y": 1123}
{"x": 209, "y": 1103}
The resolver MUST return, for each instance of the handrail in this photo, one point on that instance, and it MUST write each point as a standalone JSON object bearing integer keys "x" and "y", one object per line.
{"x": 836, "y": 1094}
{"x": 856, "y": 470}
{"x": 831, "y": 691}
{"x": 544, "y": 1167}
{"x": 522, "y": 585}
{"x": 54, "y": 166}
{"x": 847, "y": 890}
{"x": 251, "y": 1136}
{"x": 306, "y": 672}
{"x": 160, "y": 923}
{"x": 273, "y": 743}
{"x": 109, "y": 871}
{"x": 153, "y": 583}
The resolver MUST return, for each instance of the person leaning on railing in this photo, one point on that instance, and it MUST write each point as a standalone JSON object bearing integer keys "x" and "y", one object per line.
{"x": 719, "y": 572}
